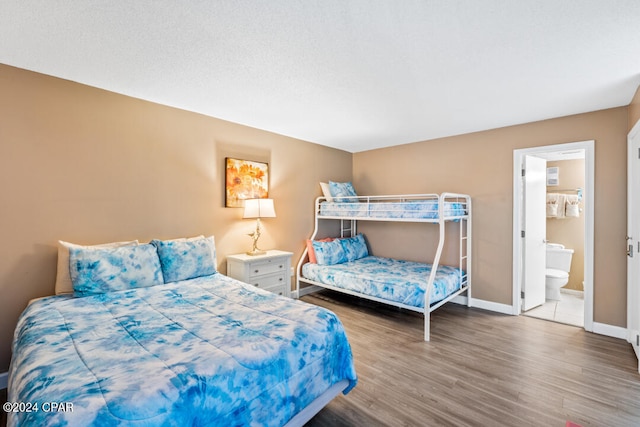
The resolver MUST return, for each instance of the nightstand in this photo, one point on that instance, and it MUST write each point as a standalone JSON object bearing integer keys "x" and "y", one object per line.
{"x": 271, "y": 271}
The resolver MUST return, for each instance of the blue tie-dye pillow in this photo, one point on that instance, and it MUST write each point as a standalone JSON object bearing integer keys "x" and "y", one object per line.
{"x": 184, "y": 259}
{"x": 343, "y": 192}
{"x": 329, "y": 253}
{"x": 354, "y": 247}
{"x": 102, "y": 270}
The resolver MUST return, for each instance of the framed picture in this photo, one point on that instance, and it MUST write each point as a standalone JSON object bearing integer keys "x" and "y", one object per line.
{"x": 245, "y": 179}
{"x": 553, "y": 178}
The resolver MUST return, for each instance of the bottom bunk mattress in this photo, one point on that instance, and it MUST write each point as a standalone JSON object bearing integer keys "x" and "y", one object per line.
{"x": 205, "y": 351}
{"x": 400, "y": 281}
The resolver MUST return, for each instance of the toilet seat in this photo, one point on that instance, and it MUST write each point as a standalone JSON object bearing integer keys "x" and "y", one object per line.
{"x": 556, "y": 274}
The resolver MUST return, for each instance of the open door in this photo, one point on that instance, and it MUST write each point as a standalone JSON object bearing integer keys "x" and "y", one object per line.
{"x": 534, "y": 232}
{"x": 633, "y": 239}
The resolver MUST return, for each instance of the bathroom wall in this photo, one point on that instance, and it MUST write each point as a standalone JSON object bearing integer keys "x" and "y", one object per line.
{"x": 569, "y": 231}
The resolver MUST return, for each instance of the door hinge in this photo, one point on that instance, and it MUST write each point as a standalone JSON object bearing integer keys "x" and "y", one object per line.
{"x": 637, "y": 340}
{"x": 524, "y": 172}
{"x": 522, "y": 233}
{"x": 522, "y": 294}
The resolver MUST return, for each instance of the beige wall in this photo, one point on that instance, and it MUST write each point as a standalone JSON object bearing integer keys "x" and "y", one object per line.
{"x": 634, "y": 110}
{"x": 90, "y": 166}
{"x": 569, "y": 231}
{"x": 481, "y": 164}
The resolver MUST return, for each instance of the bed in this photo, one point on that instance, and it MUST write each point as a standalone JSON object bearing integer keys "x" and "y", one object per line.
{"x": 203, "y": 350}
{"x": 343, "y": 263}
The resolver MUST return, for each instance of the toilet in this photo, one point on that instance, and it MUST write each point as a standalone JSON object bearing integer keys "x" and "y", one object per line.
{"x": 557, "y": 269}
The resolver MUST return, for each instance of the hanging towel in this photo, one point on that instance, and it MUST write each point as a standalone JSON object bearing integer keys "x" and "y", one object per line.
{"x": 552, "y": 205}
{"x": 562, "y": 200}
{"x": 572, "y": 206}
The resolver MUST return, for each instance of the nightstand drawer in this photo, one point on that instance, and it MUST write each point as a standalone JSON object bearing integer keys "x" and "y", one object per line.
{"x": 269, "y": 281}
{"x": 278, "y": 290}
{"x": 269, "y": 266}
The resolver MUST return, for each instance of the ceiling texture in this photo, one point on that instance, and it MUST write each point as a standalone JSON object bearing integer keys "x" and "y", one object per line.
{"x": 350, "y": 74}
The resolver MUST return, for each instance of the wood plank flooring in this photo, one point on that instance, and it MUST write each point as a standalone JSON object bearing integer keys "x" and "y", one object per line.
{"x": 479, "y": 369}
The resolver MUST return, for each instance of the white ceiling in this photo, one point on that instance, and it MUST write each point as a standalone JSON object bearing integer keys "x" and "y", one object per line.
{"x": 351, "y": 74}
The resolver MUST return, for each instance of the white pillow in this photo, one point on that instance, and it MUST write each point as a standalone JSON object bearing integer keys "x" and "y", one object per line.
{"x": 63, "y": 277}
{"x": 326, "y": 192}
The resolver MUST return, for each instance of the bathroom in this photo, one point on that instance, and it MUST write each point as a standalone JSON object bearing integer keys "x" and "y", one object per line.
{"x": 565, "y": 177}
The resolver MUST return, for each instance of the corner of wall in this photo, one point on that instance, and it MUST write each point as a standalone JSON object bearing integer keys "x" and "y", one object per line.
{"x": 634, "y": 110}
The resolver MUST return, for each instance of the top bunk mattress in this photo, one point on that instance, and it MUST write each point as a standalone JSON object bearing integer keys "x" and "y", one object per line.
{"x": 206, "y": 351}
{"x": 382, "y": 209}
{"x": 404, "y": 282}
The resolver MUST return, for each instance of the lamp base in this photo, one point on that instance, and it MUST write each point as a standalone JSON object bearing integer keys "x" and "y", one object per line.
{"x": 256, "y": 252}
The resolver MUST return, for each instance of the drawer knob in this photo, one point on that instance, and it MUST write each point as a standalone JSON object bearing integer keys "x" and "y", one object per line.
{"x": 281, "y": 265}
{"x": 280, "y": 279}
{"x": 255, "y": 271}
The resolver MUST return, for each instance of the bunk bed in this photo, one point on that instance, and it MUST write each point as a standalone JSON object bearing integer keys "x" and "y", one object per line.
{"x": 418, "y": 287}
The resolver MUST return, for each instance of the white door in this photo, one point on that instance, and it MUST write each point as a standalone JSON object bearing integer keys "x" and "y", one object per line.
{"x": 535, "y": 232}
{"x": 633, "y": 238}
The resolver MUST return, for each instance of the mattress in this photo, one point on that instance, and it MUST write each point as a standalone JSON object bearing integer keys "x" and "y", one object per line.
{"x": 413, "y": 209}
{"x": 390, "y": 279}
{"x": 206, "y": 351}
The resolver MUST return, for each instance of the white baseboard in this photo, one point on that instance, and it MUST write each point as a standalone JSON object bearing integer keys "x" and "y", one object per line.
{"x": 4, "y": 379}
{"x": 491, "y": 306}
{"x": 460, "y": 299}
{"x": 610, "y": 331}
{"x": 306, "y": 291}
{"x": 572, "y": 292}
{"x": 598, "y": 328}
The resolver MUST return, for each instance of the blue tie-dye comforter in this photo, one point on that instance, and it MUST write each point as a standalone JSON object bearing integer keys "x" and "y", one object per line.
{"x": 206, "y": 351}
{"x": 412, "y": 209}
{"x": 390, "y": 279}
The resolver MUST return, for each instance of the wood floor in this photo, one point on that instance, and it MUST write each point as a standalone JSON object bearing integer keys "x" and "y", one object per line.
{"x": 479, "y": 369}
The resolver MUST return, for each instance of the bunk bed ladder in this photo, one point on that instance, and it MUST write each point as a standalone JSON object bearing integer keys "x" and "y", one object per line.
{"x": 347, "y": 226}
{"x": 464, "y": 247}
{"x": 468, "y": 246}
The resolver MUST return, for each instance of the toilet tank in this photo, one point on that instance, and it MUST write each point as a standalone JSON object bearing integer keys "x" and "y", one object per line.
{"x": 559, "y": 257}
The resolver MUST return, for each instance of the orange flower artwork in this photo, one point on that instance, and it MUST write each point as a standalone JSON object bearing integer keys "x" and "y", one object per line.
{"x": 245, "y": 180}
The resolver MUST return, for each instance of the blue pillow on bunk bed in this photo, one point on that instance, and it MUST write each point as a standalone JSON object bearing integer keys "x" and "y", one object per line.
{"x": 354, "y": 247}
{"x": 183, "y": 259}
{"x": 329, "y": 253}
{"x": 338, "y": 251}
{"x": 101, "y": 270}
{"x": 343, "y": 192}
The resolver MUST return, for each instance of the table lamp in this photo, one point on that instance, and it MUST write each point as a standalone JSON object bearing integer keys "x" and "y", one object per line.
{"x": 258, "y": 208}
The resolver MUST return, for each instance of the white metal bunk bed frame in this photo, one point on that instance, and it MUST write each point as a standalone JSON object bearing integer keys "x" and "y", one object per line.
{"x": 464, "y": 259}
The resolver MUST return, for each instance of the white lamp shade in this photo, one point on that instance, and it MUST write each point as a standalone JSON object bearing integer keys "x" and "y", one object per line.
{"x": 259, "y": 208}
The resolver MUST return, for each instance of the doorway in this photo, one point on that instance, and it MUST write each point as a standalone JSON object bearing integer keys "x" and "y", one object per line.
{"x": 525, "y": 249}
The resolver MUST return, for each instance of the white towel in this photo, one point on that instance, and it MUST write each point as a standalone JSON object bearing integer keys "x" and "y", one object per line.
{"x": 552, "y": 205}
{"x": 572, "y": 206}
{"x": 562, "y": 200}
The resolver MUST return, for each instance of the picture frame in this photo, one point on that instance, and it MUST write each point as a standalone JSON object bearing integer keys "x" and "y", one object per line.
{"x": 245, "y": 179}
{"x": 553, "y": 176}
